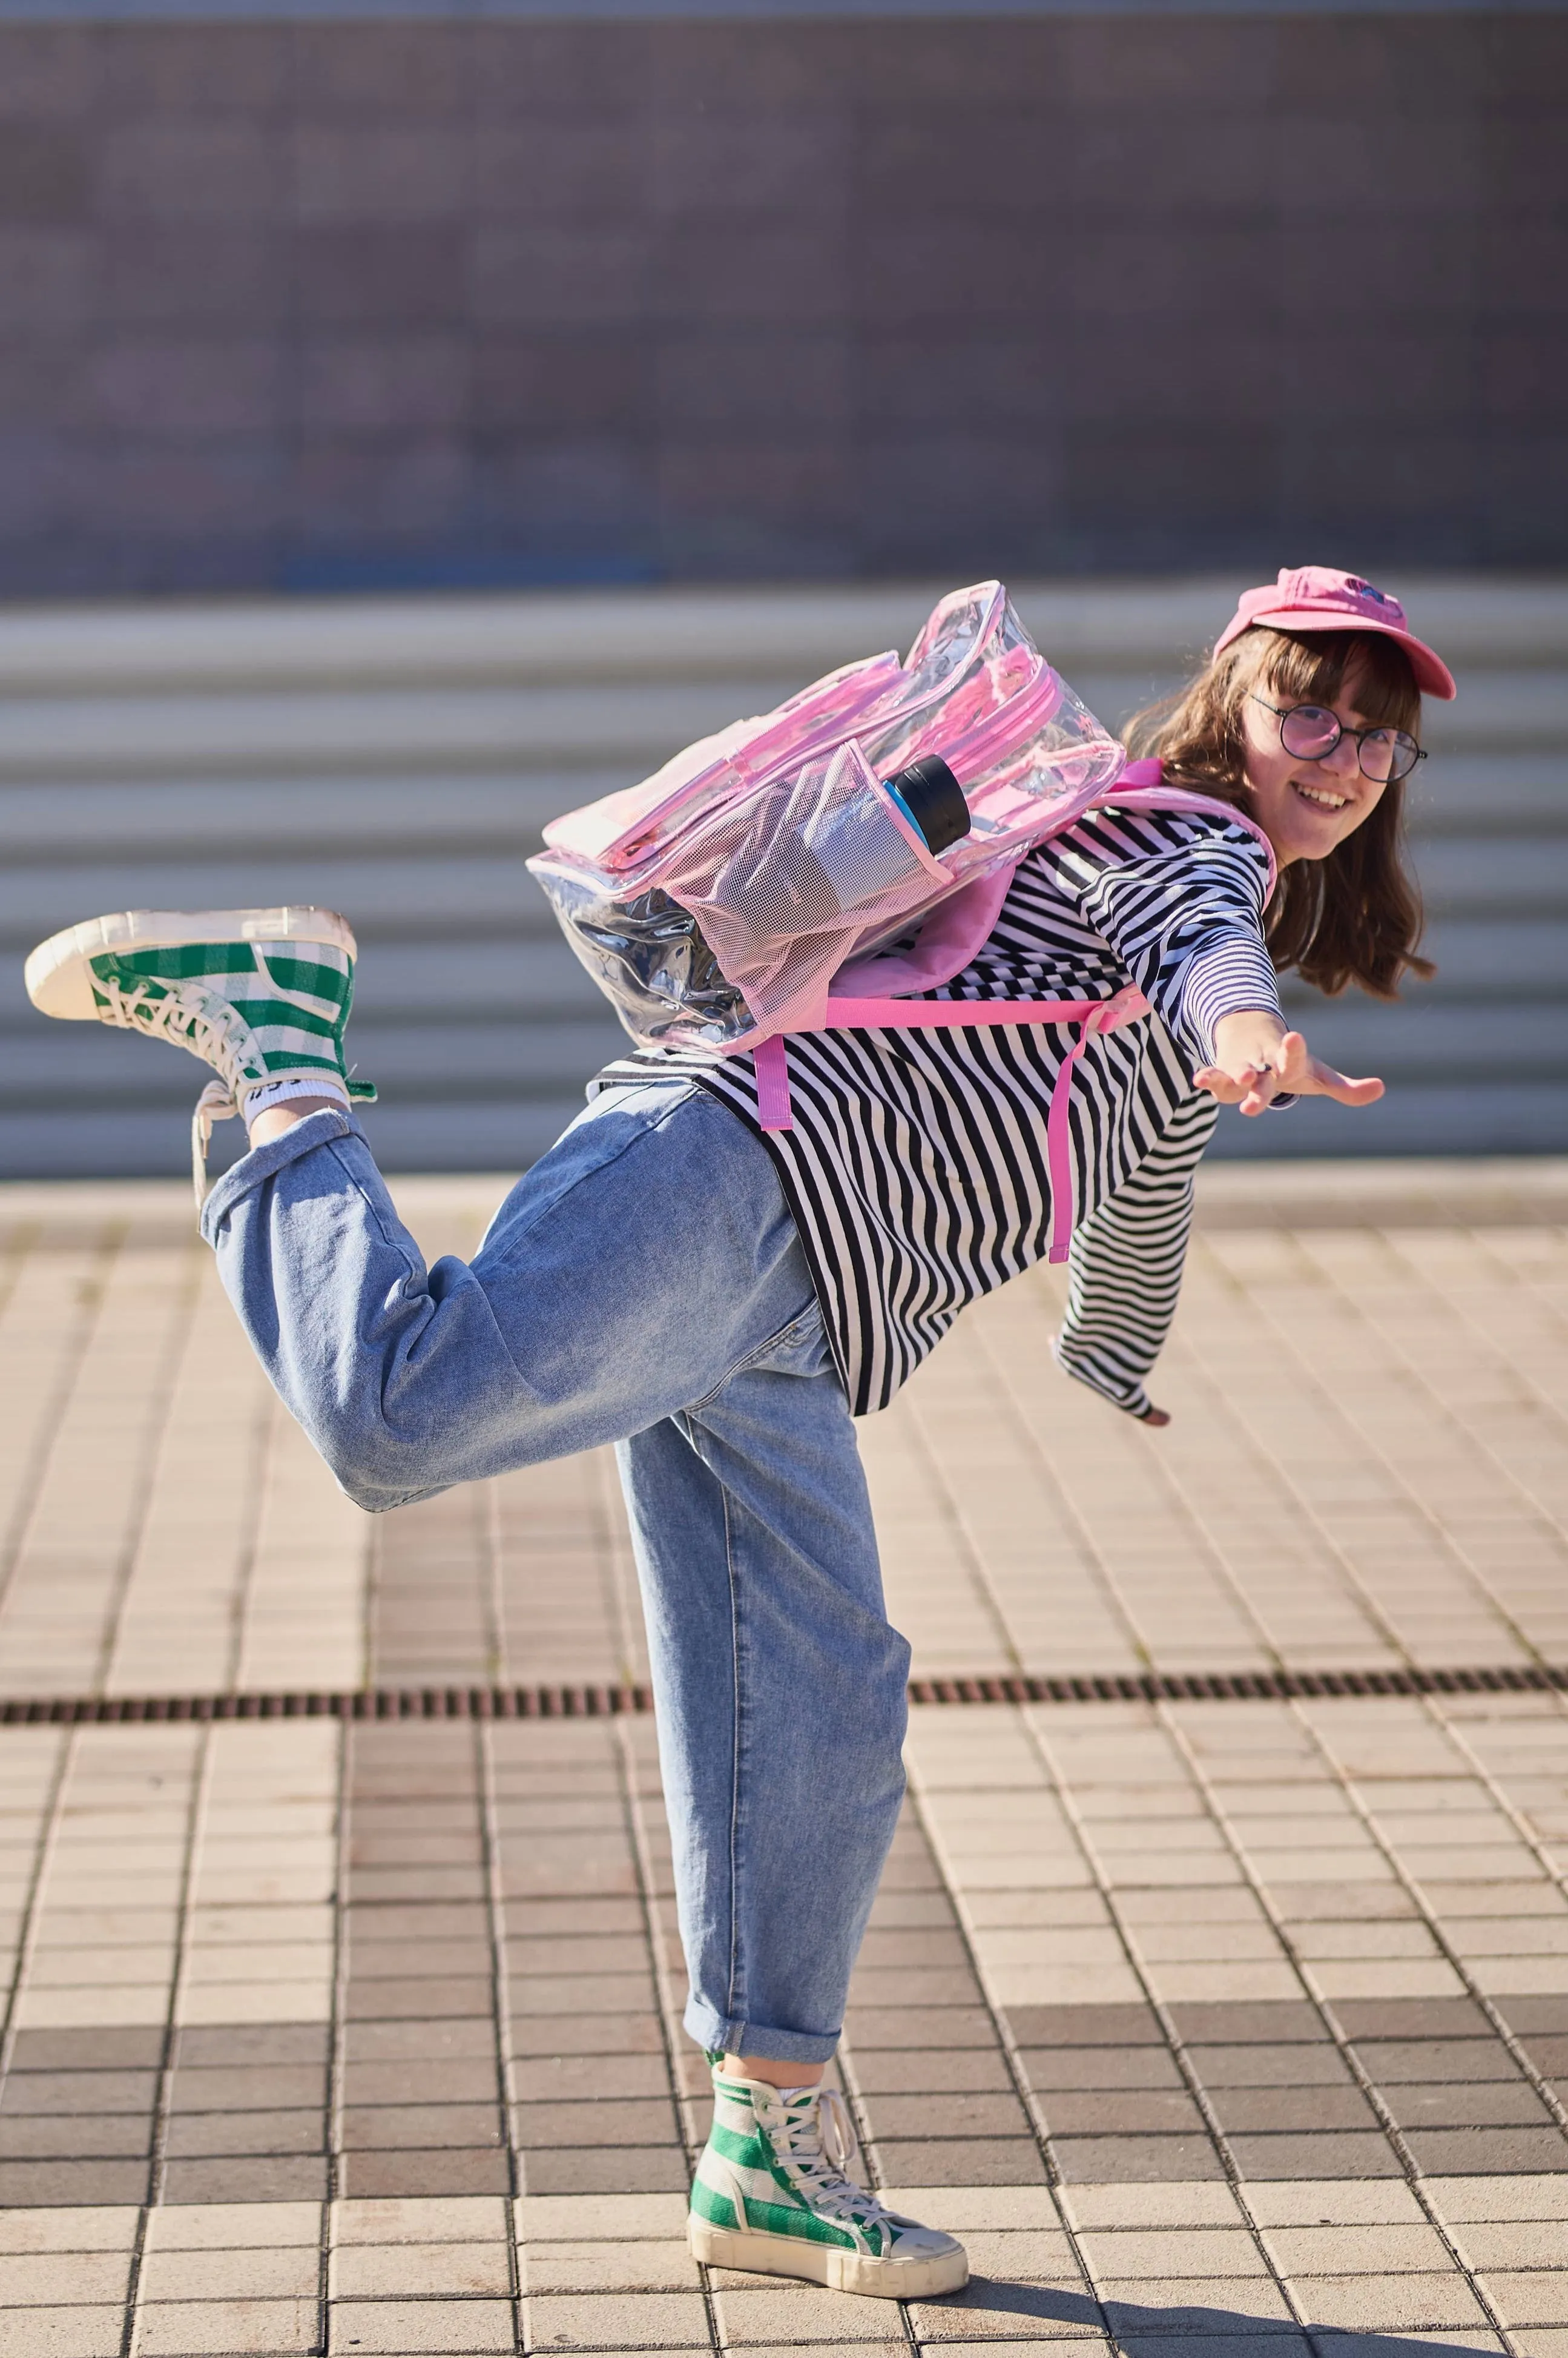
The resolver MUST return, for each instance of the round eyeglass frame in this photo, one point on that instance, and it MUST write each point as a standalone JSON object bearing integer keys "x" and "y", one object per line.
{"x": 1286, "y": 713}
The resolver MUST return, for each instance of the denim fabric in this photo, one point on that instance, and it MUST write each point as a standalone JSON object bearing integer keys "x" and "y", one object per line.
{"x": 644, "y": 1284}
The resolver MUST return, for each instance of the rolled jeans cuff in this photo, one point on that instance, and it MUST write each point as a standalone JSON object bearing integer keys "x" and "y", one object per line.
{"x": 720, "y": 2037}
{"x": 255, "y": 1168}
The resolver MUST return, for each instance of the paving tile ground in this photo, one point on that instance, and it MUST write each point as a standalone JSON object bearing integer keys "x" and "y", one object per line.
{"x": 1207, "y": 2023}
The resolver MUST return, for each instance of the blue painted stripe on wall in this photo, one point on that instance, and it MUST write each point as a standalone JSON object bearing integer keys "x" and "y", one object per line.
{"x": 217, "y": 11}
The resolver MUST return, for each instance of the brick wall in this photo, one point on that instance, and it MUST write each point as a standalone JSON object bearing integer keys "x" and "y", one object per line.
{"x": 344, "y": 303}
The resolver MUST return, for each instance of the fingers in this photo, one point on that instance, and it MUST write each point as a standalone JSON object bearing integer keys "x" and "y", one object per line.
{"x": 1291, "y": 1071}
{"x": 1253, "y": 1091}
{"x": 1330, "y": 1084}
{"x": 1262, "y": 1090}
{"x": 1312, "y": 1077}
{"x": 1233, "y": 1090}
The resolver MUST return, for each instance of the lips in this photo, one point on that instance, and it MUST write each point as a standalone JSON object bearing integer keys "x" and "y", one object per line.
{"x": 1321, "y": 797}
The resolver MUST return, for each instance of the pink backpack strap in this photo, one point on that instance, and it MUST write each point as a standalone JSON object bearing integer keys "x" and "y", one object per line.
{"x": 949, "y": 937}
{"x": 1141, "y": 787}
{"x": 963, "y": 924}
{"x": 771, "y": 1063}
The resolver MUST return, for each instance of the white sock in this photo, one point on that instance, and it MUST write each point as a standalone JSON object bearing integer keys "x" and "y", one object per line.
{"x": 279, "y": 1092}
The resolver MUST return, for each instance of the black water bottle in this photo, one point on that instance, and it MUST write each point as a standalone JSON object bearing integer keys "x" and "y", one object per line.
{"x": 928, "y": 794}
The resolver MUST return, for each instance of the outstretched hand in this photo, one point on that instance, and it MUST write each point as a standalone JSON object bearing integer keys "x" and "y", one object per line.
{"x": 1257, "y": 1060}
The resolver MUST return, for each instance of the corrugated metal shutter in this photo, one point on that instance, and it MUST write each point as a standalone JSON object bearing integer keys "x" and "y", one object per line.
{"x": 397, "y": 758}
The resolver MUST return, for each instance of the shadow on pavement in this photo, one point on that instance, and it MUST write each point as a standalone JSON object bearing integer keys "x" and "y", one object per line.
{"x": 1146, "y": 2329}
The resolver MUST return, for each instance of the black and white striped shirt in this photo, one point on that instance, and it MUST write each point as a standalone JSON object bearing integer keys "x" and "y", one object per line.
{"x": 916, "y": 1168}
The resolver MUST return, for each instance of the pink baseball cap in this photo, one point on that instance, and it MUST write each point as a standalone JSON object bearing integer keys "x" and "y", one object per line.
{"x": 1316, "y": 598}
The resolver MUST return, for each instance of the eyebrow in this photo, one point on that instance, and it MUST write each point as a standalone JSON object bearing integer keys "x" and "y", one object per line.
{"x": 1357, "y": 720}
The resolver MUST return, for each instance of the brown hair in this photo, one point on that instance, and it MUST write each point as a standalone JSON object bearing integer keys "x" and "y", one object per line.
{"x": 1355, "y": 917}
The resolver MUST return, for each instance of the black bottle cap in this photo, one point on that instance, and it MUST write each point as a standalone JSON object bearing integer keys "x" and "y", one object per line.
{"x": 934, "y": 800}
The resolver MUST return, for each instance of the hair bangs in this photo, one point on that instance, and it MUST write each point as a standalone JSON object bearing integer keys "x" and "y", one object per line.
{"x": 1313, "y": 669}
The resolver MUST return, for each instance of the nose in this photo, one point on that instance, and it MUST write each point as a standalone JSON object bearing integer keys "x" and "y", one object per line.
{"x": 1344, "y": 760}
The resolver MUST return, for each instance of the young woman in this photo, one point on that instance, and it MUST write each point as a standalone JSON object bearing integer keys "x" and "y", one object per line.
{"x": 721, "y": 1306}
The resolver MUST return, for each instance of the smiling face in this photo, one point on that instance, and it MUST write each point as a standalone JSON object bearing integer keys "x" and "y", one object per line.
{"x": 1306, "y": 807}
{"x": 1344, "y": 908}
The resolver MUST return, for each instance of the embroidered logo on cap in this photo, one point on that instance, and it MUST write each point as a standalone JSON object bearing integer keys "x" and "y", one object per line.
{"x": 1314, "y": 586}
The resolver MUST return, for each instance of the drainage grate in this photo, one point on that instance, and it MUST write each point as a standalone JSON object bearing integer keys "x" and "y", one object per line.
{"x": 611, "y": 1702}
{"x": 1243, "y": 1686}
{"x": 353, "y": 1703}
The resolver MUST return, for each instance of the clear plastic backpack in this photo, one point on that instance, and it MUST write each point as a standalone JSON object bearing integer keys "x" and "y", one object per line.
{"x": 820, "y": 864}
{"x": 715, "y": 902}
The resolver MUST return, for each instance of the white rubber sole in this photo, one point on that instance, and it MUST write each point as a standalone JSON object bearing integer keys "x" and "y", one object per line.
{"x": 60, "y": 984}
{"x": 826, "y": 2264}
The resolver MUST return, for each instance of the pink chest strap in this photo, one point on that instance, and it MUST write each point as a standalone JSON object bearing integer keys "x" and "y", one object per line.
{"x": 946, "y": 947}
{"x": 771, "y": 1063}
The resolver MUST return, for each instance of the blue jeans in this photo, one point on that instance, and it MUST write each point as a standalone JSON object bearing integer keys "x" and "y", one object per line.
{"x": 644, "y": 1284}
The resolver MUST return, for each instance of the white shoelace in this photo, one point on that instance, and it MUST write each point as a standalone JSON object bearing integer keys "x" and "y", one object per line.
{"x": 187, "y": 1017}
{"x": 214, "y": 1030}
{"x": 216, "y": 1103}
{"x": 818, "y": 2145}
{"x": 184, "y": 1014}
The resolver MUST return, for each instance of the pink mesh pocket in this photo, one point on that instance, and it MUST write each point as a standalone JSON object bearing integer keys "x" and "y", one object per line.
{"x": 782, "y": 885}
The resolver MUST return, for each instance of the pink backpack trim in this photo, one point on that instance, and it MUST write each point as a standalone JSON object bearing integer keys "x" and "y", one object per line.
{"x": 955, "y": 932}
{"x": 735, "y": 830}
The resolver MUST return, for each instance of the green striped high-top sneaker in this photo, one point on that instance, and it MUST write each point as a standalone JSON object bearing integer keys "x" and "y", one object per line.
{"x": 262, "y": 995}
{"x": 772, "y": 2192}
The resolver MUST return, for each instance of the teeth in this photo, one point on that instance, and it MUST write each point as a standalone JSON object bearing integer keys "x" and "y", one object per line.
{"x": 1326, "y": 801}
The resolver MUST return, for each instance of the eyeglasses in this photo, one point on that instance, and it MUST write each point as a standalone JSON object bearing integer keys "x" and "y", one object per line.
{"x": 1311, "y": 732}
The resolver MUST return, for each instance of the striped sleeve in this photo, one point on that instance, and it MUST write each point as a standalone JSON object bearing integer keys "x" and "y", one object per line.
{"x": 1125, "y": 1268}
{"x": 1185, "y": 919}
